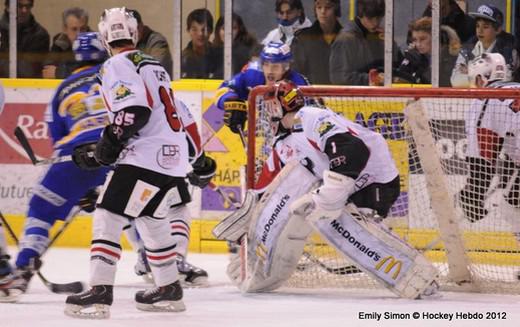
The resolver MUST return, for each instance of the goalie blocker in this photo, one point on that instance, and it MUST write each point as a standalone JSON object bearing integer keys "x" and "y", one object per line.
{"x": 277, "y": 235}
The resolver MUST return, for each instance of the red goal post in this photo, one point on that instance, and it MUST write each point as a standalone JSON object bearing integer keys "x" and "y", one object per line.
{"x": 425, "y": 129}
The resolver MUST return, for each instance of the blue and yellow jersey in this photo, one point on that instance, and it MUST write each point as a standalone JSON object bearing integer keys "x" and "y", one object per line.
{"x": 76, "y": 115}
{"x": 238, "y": 86}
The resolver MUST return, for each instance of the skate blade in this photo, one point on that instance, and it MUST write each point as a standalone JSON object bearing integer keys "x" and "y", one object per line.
{"x": 95, "y": 311}
{"x": 162, "y": 306}
{"x": 10, "y": 295}
{"x": 197, "y": 282}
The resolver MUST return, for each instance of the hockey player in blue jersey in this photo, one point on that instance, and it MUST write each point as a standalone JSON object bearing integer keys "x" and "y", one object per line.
{"x": 75, "y": 116}
{"x": 274, "y": 65}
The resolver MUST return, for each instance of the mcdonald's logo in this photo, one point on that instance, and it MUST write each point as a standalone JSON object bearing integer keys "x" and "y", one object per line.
{"x": 392, "y": 262}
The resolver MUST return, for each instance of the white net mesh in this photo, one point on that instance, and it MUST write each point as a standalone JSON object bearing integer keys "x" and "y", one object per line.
{"x": 482, "y": 192}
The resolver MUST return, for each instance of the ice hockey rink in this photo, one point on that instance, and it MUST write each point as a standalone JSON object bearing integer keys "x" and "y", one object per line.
{"x": 222, "y": 304}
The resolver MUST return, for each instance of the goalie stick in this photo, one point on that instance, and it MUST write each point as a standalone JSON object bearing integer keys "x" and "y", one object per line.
{"x": 24, "y": 142}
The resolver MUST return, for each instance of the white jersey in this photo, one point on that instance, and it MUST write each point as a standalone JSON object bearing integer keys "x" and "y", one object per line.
{"x": 313, "y": 126}
{"x": 132, "y": 78}
{"x": 487, "y": 119}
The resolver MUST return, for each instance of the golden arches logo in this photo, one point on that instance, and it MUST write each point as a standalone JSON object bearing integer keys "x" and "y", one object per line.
{"x": 392, "y": 262}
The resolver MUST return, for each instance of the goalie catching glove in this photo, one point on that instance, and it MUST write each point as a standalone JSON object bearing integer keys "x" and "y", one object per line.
{"x": 203, "y": 171}
{"x": 235, "y": 115}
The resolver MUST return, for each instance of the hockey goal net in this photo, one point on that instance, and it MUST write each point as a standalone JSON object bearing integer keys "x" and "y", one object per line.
{"x": 426, "y": 132}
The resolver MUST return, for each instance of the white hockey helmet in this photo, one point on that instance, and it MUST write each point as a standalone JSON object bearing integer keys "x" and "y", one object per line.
{"x": 491, "y": 67}
{"x": 117, "y": 24}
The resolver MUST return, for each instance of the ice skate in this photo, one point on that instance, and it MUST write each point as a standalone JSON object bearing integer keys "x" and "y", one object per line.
{"x": 17, "y": 281}
{"x": 190, "y": 275}
{"x": 142, "y": 268}
{"x": 92, "y": 304}
{"x": 10, "y": 290}
{"x": 163, "y": 298}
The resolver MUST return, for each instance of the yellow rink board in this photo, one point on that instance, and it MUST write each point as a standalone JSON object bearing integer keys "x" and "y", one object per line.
{"x": 496, "y": 248}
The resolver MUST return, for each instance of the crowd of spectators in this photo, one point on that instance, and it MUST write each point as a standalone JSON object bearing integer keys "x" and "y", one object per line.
{"x": 325, "y": 51}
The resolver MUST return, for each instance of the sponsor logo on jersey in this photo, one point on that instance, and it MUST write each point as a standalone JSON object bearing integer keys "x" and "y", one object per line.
{"x": 167, "y": 156}
{"x": 338, "y": 227}
{"x": 324, "y": 128}
{"x": 274, "y": 216}
{"x": 392, "y": 262}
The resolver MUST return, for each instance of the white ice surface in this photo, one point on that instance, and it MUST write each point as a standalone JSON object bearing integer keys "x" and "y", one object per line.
{"x": 222, "y": 304}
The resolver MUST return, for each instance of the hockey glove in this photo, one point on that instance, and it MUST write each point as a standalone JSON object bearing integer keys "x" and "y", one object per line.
{"x": 235, "y": 115}
{"x": 88, "y": 202}
{"x": 108, "y": 147}
{"x": 83, "y": 157}
{"x": 203, "y": 171}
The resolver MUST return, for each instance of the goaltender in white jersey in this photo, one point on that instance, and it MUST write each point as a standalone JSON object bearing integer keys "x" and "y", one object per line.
{"x": 355, "y": 169}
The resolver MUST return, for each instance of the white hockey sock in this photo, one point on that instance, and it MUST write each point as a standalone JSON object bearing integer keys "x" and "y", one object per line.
{"x": 105, "y": 249}
{"x": 180, "y": 221}
{"x": 160, "y": 249}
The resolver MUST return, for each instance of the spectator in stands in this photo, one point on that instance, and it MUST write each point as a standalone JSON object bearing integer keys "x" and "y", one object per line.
{"x": 453, "y": 16}
{"x": 291, "y": 18}
{"x": 245, "y": 45}
{"x": 311, "y": 46}
{"x": 359, "y": 47}
{"x": 60, "y": 62}
{"x": 153, "y": 43}
{"x": 416, "y": 65}
{"x": 33, "y": 42}
{"x": 489, "y": 38}
{"x": 199, "y": 58}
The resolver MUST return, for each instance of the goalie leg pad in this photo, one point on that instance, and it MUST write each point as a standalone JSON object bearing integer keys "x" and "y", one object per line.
{"x": 378, "y": 252}
{"x": 232, "y": 227}
{"x": 275, "y": 240}
{"x": 274, "y": 266}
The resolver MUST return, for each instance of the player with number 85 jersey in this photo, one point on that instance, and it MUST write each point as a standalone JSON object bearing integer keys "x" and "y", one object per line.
{"x": 151, "y": 140}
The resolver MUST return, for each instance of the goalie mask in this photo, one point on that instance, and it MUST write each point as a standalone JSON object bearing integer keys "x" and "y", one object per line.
{"x": 117, "y": 24}
{"x": 287, "y": 98}
{"x": 490, "y": 67}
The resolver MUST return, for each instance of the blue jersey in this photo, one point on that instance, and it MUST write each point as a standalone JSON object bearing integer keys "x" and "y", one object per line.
{"x": 76, "y": 115}
{"x": 239, "y": 86}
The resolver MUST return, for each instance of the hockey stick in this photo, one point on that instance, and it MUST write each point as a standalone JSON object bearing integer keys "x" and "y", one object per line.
{"x": 67, "y": 288}
{"x": 24, "y": 142}
{"x": 242, "y": 137}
